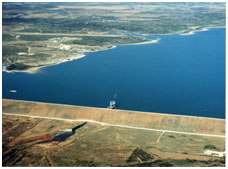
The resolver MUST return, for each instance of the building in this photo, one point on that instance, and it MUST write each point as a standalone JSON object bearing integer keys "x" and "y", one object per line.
{"x": 112, "y": 104}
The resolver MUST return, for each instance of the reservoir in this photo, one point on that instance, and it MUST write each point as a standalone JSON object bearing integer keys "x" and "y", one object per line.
{"x": 182, "y": 75}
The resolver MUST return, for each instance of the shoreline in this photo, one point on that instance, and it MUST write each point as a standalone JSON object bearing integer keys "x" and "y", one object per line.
{"x": 193, "y": 32}
{"x": 36, "y": 69}
{"x": 181, "y": 32}
{"x": 143, "y": 43}
{"x": 200, "y": 30}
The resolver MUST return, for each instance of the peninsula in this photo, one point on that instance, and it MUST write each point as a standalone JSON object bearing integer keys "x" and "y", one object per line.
{"x": 42, "y": 34}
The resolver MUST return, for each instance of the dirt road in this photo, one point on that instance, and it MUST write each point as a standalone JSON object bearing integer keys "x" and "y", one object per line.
{"x": 113, "y": 125}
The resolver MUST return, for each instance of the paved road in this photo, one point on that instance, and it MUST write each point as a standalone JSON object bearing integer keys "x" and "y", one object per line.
{"x": 65, "y": 34}
{"x": 113, "y": 125}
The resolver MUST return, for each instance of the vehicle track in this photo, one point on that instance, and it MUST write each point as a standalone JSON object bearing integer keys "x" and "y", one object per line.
{"x": 114, "y": 125}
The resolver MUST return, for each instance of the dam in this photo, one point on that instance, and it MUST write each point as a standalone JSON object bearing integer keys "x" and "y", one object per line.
{"x": 110, "y": 136}
{"x": 118, "y": 118}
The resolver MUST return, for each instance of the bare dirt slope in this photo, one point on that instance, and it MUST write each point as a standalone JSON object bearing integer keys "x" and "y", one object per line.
{"x": 120, "y": 117}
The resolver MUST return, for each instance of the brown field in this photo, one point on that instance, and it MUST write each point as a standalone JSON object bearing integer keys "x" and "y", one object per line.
{"x": 29, "y": 141}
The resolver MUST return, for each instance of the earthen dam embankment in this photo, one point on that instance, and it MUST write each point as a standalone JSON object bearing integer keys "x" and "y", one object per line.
{"x": 118, "y": 117}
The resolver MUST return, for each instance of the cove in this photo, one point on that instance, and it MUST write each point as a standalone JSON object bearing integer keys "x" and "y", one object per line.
{"x": 182, "y": 75}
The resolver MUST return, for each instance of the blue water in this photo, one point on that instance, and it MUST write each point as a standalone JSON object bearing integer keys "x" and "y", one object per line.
{"x": 179, "y": 75}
